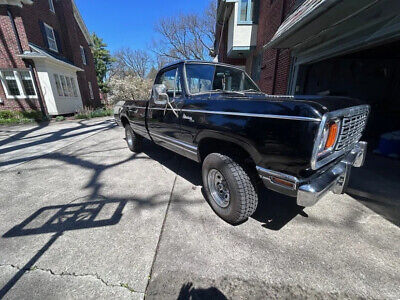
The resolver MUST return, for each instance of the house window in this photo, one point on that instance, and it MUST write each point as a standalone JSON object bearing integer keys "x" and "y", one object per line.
{"x": 83, "y": 55}
{"x": 51, "y": 6}
{"x": 51, "y": 38}
{"x": 18, "y": 84}
{"x": 27, "y": 83}
{"x": 58, "y": 85}
{"x": 74, "y": 89}
{"x": 11, "y": 83}
{"x": 91, "y": 91}
{"x": 248, "y": 11}
{"x": 69, "y": 85}
{"x": 64, "y": 85}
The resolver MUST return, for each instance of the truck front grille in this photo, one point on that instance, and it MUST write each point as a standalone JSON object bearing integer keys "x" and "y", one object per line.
{"x": 352, "y": 128}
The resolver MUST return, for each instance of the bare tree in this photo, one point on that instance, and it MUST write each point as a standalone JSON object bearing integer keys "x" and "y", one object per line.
{"x": 132, "y": 62}
{"x": 187, "y": 36}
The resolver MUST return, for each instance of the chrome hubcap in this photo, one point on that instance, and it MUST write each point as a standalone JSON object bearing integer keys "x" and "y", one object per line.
{"x": 218, "y": 188}
{"x": 129, "y": 138}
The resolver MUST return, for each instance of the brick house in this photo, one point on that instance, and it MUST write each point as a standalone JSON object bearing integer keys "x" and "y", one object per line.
{"x": 243, "y": 28}
{"x": 46, "y": 61}
{"x": 318, "y": 47}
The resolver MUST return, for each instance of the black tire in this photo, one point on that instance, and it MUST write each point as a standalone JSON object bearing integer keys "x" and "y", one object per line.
{"x": 133, "y": 140}
{"x": 243, "y": 198}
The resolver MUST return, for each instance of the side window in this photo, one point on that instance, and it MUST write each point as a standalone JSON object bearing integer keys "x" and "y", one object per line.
{"x": 200, "y": 78}
{"x": 172, "y": 80}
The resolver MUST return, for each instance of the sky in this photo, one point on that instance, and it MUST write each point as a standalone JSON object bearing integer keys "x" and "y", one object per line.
{"x": 130, "y": 23}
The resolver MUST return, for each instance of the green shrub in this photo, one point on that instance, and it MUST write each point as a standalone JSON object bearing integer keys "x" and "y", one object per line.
{"x": 89, "y": 114}
{"x": 7, "y": 114}
{"x": 81, "y": 116}
{"x": 17, "y": 117}
{"x": 100, "y": 113}
{"x": 33, "y": 114}
{"x": 60, "y": 118}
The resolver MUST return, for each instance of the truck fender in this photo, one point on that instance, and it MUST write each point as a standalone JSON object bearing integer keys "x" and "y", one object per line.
{"x": 239, "y": 141}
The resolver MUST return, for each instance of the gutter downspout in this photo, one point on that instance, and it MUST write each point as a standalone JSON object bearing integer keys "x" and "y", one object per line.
{"x": 31, "y": 66}
{"x": 38, "y": 89}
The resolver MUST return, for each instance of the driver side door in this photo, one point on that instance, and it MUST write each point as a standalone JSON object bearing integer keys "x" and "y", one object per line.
{"x": 164, "y": 119}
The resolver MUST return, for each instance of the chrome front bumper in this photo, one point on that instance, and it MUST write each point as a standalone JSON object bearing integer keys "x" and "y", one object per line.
{"x": 308, "y": 191}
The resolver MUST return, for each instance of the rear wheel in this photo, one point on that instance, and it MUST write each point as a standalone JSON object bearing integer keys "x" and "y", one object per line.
{"x": 133, "y": 140}
{"x": 229, "y": 189}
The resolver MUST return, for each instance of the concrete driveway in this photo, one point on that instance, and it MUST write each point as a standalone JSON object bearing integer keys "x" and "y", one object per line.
{"x": 83, "y": 217}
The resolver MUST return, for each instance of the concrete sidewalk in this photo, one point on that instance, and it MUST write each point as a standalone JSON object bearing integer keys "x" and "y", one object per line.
{"x": 83, "y": 217}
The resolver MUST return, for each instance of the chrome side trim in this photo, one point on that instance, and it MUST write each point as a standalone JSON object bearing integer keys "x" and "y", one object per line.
{"x": 267, "y": 116}
{"x": 177, "y": 143}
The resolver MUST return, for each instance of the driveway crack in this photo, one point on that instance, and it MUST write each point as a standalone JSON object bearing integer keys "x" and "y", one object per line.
{"x": 73, "y": 274}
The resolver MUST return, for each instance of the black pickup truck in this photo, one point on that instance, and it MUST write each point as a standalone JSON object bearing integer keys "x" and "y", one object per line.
{"x": 301, "y": 146}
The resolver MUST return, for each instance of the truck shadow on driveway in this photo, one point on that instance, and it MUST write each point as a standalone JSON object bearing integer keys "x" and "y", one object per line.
{"x": 59, "y": 219}
{"x": 274, "y": 210}
{"x": 188, "y": 291}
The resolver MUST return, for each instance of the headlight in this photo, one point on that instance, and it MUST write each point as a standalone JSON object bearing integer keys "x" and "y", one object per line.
{"x": 329, "y": 138}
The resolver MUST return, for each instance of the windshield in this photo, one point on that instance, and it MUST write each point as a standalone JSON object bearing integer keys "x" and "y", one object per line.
{"x": 207, "y": 78}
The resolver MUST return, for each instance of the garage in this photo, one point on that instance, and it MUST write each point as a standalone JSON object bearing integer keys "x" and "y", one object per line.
{"x": 352, "y": 49}
{"x": 371, "y": 75}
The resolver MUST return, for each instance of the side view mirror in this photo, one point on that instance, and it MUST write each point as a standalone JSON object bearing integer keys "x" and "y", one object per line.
{"x": 160, "y": 95}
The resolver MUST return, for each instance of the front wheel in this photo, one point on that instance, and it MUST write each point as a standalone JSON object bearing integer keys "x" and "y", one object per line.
{"x": 229, "y": 189}
{"x": 133, "y": 140}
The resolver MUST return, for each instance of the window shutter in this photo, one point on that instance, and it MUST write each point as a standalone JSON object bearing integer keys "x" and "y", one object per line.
{"x": 58, "y": 41}
{"x": 43, "y": 30}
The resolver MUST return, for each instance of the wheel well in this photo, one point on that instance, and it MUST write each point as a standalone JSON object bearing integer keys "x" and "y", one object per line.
{"x": 234, "y": 151}
{"x": 211, "y": 145}
{"x": 124, "y": 121}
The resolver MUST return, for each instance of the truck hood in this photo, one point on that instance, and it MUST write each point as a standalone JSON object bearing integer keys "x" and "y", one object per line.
{"x": 329, "y": 103}
{"x": 319, "y": 104}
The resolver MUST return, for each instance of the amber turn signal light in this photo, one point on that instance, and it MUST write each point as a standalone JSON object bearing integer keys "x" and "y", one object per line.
{"x": 283, "y": 182}
{"x": 333, "y": 133}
